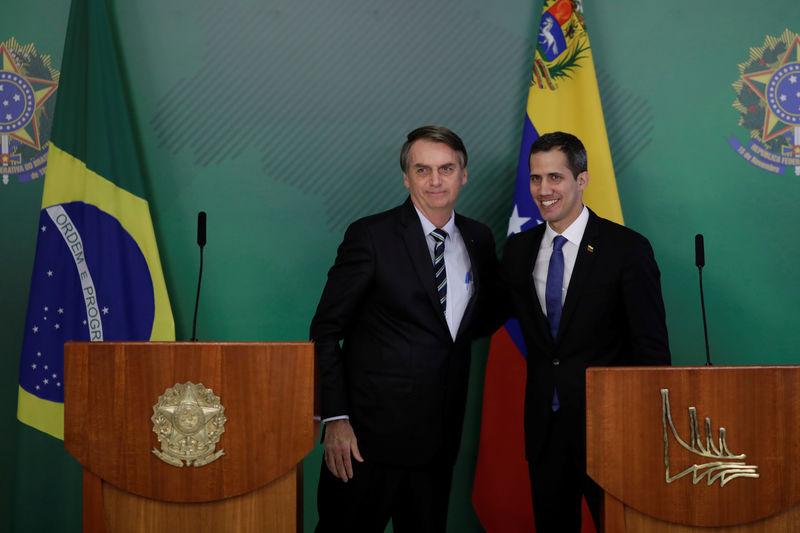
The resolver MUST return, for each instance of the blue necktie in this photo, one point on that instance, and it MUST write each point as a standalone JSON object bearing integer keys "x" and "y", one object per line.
{"x": 552, "y": 295}
{"x": 439, "y": 235}
{"x": 555, "y": 282}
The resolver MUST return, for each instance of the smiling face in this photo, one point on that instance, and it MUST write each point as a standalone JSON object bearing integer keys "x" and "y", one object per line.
{"x": 557, "y": 193}
{"x": 434, "y": 178}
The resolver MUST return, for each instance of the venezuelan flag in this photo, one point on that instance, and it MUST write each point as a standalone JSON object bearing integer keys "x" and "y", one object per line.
{"x": 97, "y": 274}
{"x": 563, "y": 96}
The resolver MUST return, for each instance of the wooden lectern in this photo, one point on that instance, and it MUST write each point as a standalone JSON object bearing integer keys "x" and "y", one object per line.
{"x": 677, "y": 449}
{"x": 267, "y": 392}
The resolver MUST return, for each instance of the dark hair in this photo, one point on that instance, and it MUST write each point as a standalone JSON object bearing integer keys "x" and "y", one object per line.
{"x": 437, "y": 134}
{"x": 570, "y": 145}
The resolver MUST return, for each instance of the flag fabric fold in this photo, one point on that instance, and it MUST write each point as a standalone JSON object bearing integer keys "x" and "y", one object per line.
{"x": 97, "y": 273}
{"x": 563, "y": 96}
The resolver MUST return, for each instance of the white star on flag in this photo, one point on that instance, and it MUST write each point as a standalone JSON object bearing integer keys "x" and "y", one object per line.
{"x": 515, "y": 222}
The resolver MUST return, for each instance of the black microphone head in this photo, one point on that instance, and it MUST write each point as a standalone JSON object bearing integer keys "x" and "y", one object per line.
{"x": 201, "y": 228}
{"x": 699, "y": 251}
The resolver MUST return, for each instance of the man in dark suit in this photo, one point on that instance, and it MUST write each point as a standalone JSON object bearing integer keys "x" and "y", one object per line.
{"x": 587, "y": 293}
{"x": 393, "y": 393}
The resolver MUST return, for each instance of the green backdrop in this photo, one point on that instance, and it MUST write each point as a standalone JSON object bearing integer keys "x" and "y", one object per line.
{"x": 284, "y": 119}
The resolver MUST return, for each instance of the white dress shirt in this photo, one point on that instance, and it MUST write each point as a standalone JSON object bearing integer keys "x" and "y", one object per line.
{"x": 457, "y": 265}
{"x": 573, "y": 234}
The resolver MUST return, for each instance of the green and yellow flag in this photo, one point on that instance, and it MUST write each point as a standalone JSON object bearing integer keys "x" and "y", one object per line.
{"x": 97, "y": 273}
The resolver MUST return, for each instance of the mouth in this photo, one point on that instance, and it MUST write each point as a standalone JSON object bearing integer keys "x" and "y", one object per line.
{"x": 549, "y": 203}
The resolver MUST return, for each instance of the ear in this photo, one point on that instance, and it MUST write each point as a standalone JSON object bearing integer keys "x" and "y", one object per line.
{"x": 405, "y": 180}
{"x": 583, "y": 180}
{"x": 464, "y": 177}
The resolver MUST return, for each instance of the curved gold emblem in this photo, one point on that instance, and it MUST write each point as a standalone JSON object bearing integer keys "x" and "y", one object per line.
{"x": 189, "y": 420}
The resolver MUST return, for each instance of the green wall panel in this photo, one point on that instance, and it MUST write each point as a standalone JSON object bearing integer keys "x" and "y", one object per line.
{"x": 283, "y": 120}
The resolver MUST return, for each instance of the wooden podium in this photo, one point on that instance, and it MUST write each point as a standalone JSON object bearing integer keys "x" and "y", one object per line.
{"x": 267, "y": 392}
{"x": 732, "y": 464}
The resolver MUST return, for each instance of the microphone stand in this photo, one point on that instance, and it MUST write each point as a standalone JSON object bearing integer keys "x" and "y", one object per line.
{"x": 700, "y": 260}
{"x": 201, "y": 241}
{"x": 703, "y": 306}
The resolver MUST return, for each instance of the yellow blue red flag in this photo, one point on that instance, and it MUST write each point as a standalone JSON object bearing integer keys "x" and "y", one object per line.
{"x": 563, "y": 96}
{"x": 97, "y": 273}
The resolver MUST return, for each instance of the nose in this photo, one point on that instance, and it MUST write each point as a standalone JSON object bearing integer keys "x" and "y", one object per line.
{"x": 538, "y": 188}
{"x": 545, "y": 188}
{"x": 436, "y": 177}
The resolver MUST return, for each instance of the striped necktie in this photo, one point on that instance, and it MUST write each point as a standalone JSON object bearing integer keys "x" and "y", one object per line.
{"x": 439, "y": 235}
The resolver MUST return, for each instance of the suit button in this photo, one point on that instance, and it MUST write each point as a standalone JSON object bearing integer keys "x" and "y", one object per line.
{"x": 556, "y": 362}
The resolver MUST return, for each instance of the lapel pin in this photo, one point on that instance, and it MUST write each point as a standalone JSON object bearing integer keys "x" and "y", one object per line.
{"x": 589, "y": 248}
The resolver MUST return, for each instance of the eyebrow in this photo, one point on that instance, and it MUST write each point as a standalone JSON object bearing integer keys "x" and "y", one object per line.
{"x": 540, "y": 174}
{"x": 449, "y": 164}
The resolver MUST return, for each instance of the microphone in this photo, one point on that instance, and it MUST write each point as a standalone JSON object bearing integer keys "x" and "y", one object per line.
{"x": 699, "y": 251}
{"x": 700, "y": 261}
{"x": 201, "y": 229}
{"x": 201, "y": 242}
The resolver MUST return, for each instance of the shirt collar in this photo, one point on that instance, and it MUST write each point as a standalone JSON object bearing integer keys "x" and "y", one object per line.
{"x": 574, "y": 233}
{"x": 428, "y": 226}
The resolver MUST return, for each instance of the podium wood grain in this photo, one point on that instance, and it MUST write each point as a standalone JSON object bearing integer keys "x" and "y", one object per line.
{"x": 758, "y": 406}
{"x": 267, "y": 390}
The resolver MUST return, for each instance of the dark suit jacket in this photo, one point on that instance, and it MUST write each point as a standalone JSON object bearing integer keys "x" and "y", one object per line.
{"x": 613, "y": 315}
{"x": 398, "y": 373}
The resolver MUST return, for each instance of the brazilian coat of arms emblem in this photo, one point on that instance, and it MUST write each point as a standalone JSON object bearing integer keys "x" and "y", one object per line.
{"x": 188, "y": 420}
{"x": 768, "y": 101}
{"x": 27, "y": 86}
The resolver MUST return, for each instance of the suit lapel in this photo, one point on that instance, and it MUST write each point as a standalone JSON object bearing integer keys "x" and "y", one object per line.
{"x": 474, "y": 272}
{"x": 580, "y": 274}
{"x": 420, "y": 257}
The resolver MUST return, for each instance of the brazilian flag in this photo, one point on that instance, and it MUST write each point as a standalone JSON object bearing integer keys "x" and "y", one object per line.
{"x": 97, "y": 273}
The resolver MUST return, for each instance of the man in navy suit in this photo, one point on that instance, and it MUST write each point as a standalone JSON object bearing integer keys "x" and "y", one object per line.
{"x": 587, "y": 292}
{"x": 405, "y": 311}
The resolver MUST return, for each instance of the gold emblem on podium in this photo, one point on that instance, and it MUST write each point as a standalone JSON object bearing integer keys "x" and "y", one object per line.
{"x": 188, "y": 420}
{"x": 720, "y": 463}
